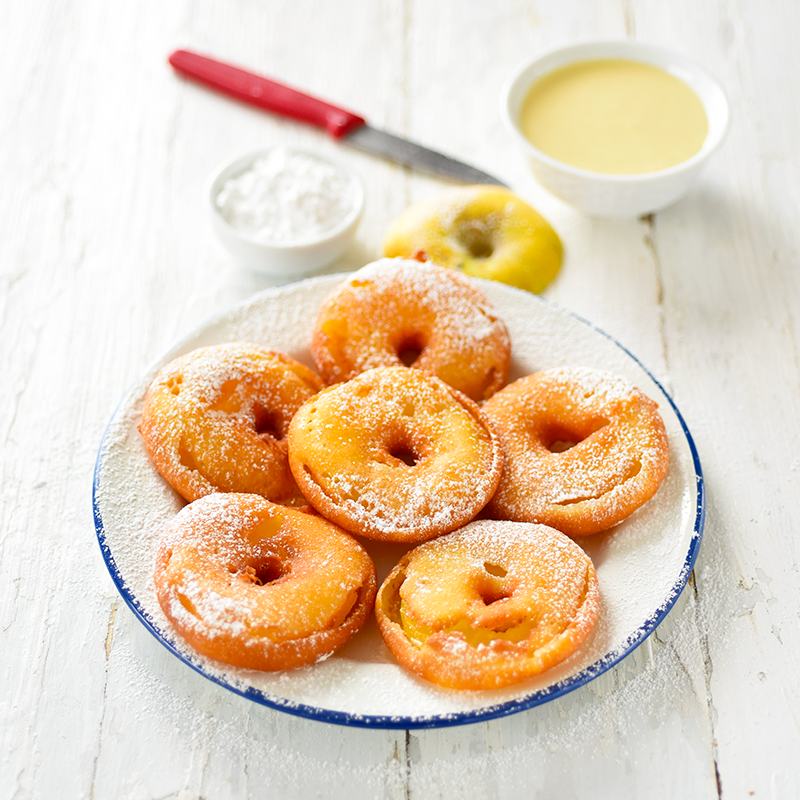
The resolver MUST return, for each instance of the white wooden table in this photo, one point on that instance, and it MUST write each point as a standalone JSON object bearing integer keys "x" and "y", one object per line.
{"x": 106, "y": 258}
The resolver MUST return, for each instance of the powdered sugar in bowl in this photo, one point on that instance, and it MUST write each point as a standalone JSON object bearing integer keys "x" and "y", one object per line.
{"x": 285, "y": 212}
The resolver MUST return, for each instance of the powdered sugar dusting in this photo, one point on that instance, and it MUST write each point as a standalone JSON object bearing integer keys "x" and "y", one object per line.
{"x": 641, "y": 565}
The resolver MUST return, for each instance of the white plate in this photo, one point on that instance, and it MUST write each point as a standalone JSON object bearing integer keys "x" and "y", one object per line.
{"x": 642, "y": 565}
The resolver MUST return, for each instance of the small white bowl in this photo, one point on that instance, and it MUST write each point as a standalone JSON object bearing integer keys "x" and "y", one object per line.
{"x": 300, "y": 256}
{"x": 600, "y": 194}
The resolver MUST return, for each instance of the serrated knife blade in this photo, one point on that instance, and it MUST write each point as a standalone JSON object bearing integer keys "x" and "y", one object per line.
{"x": 339, "y": 123}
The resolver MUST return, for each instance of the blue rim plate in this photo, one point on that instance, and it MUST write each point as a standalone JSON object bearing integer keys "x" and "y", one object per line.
{"x": 643, "y": 564}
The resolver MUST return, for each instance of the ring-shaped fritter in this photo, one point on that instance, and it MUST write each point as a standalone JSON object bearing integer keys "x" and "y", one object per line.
{"x": 216, "y": 420}
{"x": 394, "y": 454}
{"x": 489, "y": 605}
{"x": 584, "y": 449}
{"x": 261, "y": 586}
{"x": 398, "y": 312}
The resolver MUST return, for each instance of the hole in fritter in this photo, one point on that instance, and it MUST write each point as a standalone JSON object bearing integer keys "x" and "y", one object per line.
{"x": 560, "y": 446}
{"x": 404, "y": 455}
{"x": 495, "y": 569}
{"x": 411, "y": 348}
{"x": 408, "y": 355}
{"x": 265, "y": 422}
{"x": 559, "y": 439}
{"x": 476, "y": 240}
{"x": 268, "y": 569}
{"x": 492, "y": 594}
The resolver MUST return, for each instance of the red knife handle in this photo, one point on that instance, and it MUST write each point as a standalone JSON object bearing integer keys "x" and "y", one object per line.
{"x": 265, "y": 93}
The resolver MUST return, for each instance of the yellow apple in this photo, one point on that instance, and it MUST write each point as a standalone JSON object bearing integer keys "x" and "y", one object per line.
{"x": 483, "y": 231}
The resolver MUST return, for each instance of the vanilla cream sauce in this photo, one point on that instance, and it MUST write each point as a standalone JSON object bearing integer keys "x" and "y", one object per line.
{"x": 614, "y": 116}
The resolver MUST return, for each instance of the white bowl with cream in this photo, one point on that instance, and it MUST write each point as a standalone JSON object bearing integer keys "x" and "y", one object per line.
{"x": 284, "y": 212}
{"x": 601, "y": 191}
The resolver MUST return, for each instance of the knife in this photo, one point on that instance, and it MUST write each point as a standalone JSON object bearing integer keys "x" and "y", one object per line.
{"x": 341, "y": 124}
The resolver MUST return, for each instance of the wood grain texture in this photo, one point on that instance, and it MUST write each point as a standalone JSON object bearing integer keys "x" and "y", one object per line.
{"x": 106, "y": 258}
